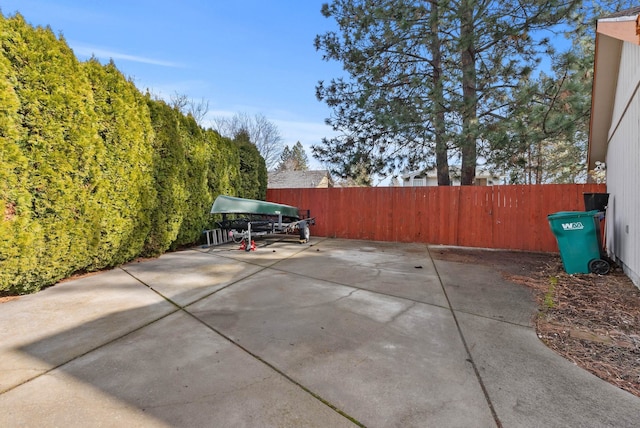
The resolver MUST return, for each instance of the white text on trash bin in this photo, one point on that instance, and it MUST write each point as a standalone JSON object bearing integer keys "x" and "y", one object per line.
{"x": 576, "y": 225}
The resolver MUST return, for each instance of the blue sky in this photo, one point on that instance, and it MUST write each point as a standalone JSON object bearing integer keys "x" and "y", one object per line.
{"x": 243, "y": 56}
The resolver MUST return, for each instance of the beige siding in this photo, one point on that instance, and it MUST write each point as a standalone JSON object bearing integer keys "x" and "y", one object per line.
{"x": 623, "y": 166}
{"x": 628, "y": 78}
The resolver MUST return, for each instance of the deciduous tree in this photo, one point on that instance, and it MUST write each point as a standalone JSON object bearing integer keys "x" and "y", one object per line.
{"x": 263, "y": 133}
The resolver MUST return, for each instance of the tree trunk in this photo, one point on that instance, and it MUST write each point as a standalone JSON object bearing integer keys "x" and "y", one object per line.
{"x": 529, "y": 166}
{"x": 442, "y": 155}
{"x": 469, "y": 94}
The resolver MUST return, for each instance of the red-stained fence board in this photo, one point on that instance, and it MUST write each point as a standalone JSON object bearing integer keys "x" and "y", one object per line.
{"x": 502, "y": 217}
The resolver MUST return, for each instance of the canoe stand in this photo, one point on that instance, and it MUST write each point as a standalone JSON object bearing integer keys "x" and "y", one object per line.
{"x": 253, "y": 218}
{"x": 243, "y": 232}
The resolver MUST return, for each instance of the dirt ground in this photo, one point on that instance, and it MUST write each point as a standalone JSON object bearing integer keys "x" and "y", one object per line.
{"x": 591, "y": 320}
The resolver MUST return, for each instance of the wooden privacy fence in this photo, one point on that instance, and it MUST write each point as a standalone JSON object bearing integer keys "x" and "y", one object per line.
{"x": 501, "y": 217}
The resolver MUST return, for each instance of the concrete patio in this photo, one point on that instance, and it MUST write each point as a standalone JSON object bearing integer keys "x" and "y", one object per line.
{"x": 328, "y": 334}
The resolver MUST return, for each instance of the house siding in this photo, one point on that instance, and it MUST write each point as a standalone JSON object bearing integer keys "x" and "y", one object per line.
{"x": 623, "y": 158}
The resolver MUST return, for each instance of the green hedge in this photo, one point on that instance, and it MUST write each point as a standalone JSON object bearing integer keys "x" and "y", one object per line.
{"x": 126, "y": 192}
{"x": 92, "y": 172}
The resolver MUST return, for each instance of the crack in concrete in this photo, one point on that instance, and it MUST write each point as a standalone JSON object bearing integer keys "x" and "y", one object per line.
{"x": 402, "y": 312}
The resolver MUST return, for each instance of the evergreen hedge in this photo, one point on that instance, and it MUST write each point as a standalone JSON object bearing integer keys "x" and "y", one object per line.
{"x": 92, "y": 172}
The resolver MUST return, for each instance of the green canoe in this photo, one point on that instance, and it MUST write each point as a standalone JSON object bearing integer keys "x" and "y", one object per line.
{"x": 232, "y": 205}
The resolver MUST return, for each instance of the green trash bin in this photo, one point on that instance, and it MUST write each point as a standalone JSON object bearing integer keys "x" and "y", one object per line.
{"x": 578, "y": 236}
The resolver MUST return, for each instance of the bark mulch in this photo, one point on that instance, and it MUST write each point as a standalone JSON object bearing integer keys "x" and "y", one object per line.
{"x": 591, "y": 320}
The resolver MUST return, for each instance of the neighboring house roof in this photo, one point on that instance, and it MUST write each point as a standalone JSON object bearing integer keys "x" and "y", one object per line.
{"x": 299, "y": 179}
{"x": 611, "y": 32}
{"x": 631, "y": 12}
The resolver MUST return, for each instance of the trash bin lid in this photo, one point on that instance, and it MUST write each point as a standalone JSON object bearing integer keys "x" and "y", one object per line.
{"x": 573, "y": 214}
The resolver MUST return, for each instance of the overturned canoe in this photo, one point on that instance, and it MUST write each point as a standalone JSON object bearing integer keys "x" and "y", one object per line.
{"x": 232, "y": 205}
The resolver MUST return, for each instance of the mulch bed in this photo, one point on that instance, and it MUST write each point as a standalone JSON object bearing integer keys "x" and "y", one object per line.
{"x": 591, "y": 320}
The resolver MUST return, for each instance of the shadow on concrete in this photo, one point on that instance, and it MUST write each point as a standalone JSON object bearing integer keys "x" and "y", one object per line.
{"x": 336, "y": 333}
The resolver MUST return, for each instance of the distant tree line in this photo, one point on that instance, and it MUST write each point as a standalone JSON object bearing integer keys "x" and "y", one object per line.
{"x": 94, "y": 173}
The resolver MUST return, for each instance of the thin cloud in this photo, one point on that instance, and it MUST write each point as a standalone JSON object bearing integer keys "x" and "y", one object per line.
{"x": 108, "y": 54}
{"x": 306, "y": 132}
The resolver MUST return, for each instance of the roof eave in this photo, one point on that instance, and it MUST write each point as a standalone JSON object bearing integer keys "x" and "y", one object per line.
{"x": 610, "y": 35}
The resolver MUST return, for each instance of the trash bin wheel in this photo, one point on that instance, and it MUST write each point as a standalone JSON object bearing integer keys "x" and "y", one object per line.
{"x": 599, "y": 266}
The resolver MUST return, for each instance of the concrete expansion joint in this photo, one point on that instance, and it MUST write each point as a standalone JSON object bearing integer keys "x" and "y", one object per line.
{"x": 496, "y": 319}
{"x": 367, "y": 290}
{"x": 184, "y": 308}
{"x": 177, "y": 305}
{"x": 225, "y": 254}
{"x": 277, "y": 370}
{"x": 469, "y": 359}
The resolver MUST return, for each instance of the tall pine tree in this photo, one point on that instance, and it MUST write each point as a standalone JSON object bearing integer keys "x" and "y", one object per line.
{"x": 293, "y": 159}
{"x": 427, "y": 77}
